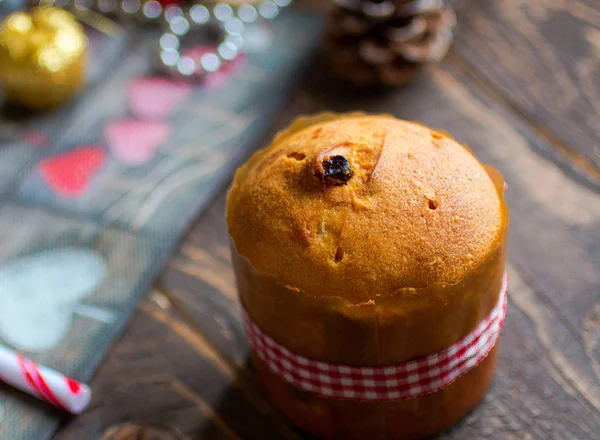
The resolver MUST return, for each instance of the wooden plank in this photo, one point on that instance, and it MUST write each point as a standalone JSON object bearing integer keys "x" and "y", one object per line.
{"x": 164, "y": 380}
{"x": 543, "y": 58}
{"x": 547, "y": 384}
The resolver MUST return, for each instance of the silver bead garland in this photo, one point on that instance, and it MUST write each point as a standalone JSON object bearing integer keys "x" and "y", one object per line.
{"x": 230, "y": 23}
{"x": 199, "y": 19}
{"x": 181, "y": 22}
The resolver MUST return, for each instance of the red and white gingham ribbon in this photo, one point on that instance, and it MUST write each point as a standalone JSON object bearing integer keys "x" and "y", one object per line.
{"x": 378, "y": 384}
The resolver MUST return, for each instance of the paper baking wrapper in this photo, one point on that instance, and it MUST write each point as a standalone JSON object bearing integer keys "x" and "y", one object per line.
{"x": 387, "y": 330}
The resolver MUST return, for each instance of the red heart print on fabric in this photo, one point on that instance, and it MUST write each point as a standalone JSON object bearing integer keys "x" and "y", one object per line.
{"x": 69, "y": 174}
{"x": 156, "y": 98}
{"x": 135, "y": 142}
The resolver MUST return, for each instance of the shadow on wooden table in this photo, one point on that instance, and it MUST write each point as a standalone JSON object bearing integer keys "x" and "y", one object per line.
{"x": 269, "y": 423}
{"x": 274, "y": 424}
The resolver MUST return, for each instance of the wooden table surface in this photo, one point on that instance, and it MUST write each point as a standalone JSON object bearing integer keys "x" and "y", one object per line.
{"x": 521, "y": 86}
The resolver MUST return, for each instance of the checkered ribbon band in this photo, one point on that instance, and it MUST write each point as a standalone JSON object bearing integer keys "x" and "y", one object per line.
{"x": 379, "y": 384}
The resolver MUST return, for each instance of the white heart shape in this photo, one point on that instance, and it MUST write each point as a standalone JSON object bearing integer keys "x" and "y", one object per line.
{"x": 38, "y": 294}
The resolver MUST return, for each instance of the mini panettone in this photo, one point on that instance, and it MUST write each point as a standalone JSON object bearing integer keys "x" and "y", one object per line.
{"x": 369, "y": 254}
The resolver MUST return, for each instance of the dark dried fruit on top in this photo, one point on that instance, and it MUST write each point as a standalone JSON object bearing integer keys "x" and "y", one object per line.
{"x": 335, "y": 169}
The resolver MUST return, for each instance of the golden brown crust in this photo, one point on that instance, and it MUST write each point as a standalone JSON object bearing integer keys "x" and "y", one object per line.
{"x": 384, "y": 331}
{"x": 418, "y": 209}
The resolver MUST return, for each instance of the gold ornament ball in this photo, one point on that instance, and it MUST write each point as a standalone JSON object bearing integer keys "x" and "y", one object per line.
{"x": 42, "y": 57}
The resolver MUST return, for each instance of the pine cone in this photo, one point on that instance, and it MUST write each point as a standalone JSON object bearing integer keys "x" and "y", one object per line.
{"x": 387, "y": 42}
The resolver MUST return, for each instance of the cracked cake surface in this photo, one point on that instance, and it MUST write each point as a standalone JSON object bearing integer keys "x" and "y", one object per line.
{"x": 359, "y": 206}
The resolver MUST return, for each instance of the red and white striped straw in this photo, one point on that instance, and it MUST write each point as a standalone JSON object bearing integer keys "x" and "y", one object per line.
{"x": 43, "y": 383}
